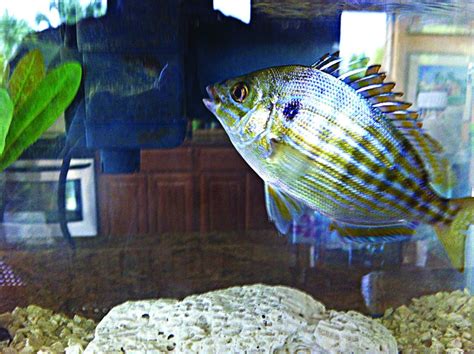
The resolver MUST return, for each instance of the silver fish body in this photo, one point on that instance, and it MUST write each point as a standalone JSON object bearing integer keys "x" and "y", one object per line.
{"x": 343, "y": 145}
{"x": 327, "y": 147}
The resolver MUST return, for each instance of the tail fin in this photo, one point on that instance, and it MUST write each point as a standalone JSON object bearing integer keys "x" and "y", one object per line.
{"x": 453, "y": 236}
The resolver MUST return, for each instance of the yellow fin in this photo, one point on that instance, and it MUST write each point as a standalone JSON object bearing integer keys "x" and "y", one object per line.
{"x": 453, "y": 236}
{"x": 374, "y": 231}
{"x": 282, "y": 209}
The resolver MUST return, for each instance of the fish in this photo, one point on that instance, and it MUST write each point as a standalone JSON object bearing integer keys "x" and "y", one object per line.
{"x": 127, "y": 75}
{"x": 341, "y": 142}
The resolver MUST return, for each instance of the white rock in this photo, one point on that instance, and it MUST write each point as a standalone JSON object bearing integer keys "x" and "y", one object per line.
{"x": 252, "y": 319}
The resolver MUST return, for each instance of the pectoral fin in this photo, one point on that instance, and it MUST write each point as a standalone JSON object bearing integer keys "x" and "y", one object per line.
{"x": 282, "y": 209}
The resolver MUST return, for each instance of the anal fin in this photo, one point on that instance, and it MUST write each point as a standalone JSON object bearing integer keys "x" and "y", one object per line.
{"x": 375, "y": 234}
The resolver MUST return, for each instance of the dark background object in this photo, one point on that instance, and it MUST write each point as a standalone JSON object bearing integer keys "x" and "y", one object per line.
{"x": 134, "y": 81}
{"x": 220, "y": 48}
{"x": 146, "y": 65}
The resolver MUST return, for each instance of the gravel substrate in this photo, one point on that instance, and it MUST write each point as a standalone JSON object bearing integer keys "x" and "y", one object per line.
{"x": 439, "y": 323}
{"x": 37, "y": 330}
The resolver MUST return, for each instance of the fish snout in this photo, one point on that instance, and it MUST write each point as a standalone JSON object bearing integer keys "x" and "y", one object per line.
{"x": 213, "y": 100}
{"x": 211, "y": 91}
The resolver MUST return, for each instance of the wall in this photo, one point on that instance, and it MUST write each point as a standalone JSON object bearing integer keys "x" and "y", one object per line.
{"x": 405, "y": 43}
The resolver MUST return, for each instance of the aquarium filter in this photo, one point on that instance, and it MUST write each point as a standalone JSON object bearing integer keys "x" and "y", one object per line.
{"x": 133, "y": 84}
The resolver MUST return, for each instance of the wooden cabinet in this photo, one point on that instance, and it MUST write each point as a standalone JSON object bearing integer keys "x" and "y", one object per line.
{"x": 222, "y": 201}
{"x": 170, "y": 202}
{"x": 256, "y": 217}
{"x": 182, "y": 190}
{"x": 123, "y": 204}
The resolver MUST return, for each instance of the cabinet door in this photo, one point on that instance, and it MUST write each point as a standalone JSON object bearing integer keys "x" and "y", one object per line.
{"x": 256, "y": 217}
{"x": 222, "y": 201}
{"x": 171, "y": 202}
{"x": 123, "y": 206}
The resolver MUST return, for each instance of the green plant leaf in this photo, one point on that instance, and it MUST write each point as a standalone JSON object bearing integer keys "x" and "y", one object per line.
{"x": 6, "y": 113}
{"x": 4, "y": 70}
{"x": 27, "y": 75}
{"x": 41, "y": 109}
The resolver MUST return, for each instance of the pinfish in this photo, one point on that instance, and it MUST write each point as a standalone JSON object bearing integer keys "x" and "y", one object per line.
{"x": 343, "y": 144}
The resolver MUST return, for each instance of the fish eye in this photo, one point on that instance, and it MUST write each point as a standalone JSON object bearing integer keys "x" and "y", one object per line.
{"x": 240, "y": 92}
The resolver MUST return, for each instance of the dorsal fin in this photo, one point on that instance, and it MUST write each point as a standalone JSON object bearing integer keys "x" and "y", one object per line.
{"x": 326, "y": 58}
{"x": 370, "y": 84}
{"x": 372, "y": 79}
{"x": 330, "y": 64}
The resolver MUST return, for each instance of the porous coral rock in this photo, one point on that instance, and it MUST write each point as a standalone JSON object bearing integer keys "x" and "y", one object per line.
{"x": 256, "y": 319}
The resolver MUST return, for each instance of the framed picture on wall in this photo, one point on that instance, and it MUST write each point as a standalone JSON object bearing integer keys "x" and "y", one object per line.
{"x": 437, "y": 86}
{"x": 442, "y": 73}
{"x": 443, "y": 26}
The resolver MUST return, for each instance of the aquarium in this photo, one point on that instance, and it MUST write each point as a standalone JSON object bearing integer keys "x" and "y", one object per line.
{"x": 246, "y": 176}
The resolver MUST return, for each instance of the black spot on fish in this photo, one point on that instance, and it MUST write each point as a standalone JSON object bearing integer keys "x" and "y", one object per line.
{"x": 291, "y": 109}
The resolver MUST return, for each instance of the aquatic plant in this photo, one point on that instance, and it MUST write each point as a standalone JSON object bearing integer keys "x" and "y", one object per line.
{"x": 6, "y": 114}
{"x": 30, "y": 102}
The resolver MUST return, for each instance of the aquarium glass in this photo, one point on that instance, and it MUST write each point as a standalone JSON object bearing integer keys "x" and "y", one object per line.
{"x": 207, "y": 170}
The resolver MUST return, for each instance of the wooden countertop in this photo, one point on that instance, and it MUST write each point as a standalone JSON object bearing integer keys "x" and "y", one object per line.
{"x": 103, "y": 272}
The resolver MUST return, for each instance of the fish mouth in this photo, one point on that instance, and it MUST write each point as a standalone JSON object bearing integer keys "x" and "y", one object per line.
{"x": 213, "y": 101}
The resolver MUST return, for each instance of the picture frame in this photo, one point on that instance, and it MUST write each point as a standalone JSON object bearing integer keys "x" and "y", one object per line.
{"x": 429, "y": 72}
{"x": 442, "y": 26}
{"x": 437, "y": 85}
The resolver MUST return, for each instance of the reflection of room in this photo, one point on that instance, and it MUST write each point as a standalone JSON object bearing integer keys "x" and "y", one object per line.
{"x": 430, "y": 63}
{"x": 194, "y": 217}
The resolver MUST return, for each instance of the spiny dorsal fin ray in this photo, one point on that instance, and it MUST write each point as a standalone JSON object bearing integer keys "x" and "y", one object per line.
{"x": 373, "y": 69}
{"x": 413, "y": 115}
{"x": 385, "y": 97}
{"x": 326, "y": 58}
{"x": 393, "y": 106}
{"x": 352, "y": 75}
{"x": 369, "y": 83}
{"x": 332, "y": 66}
{"x": 368, "y": 80}
{"x": 374, "y": 90}
{"x": 354, "y": 69}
